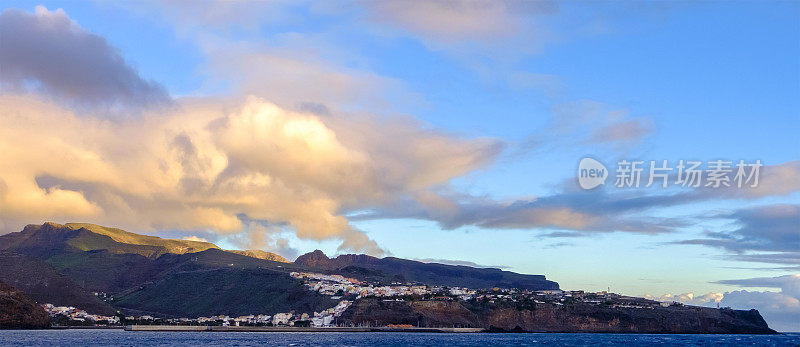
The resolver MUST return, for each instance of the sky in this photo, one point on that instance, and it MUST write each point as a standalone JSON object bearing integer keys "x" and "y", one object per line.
{"x": 446, "y": 131}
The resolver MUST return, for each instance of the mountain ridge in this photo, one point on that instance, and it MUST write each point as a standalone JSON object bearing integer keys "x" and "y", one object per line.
{"x": 92, "y": 237}
{"x": 66, "y": 264}
{"x": 71, "y": 265}
{"x": 391, "y": 269}
{"x": 259, "y": 254}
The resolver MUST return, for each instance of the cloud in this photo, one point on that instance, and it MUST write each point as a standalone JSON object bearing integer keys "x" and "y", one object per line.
{"x": 292, "y": 157}
{"x": 552, "y": 86}
{"x": 622, "y": 131}
{"x": 591, "y": 122}
{"x": 709, "y": 299}
{"x": 769, "y": 234}
{"x": 217, "y": 14}
{"x": 581, "y": 211}
{"x": 249, "y": 51}
{"x": 575, "y": 213}
{"x": 214, "y": 165}
{"x": 209, "y": 164}
{"x": 194, "y": 238}
{"x": 776, "y": 180}
{"x": 267, "y": 236}
{"x": 48, "y": 52}
{"x": 781, "y": 309}
{"x": 300, "y": 69}
{"x": 456, "y": 20}
{"x": 789, "y": 284}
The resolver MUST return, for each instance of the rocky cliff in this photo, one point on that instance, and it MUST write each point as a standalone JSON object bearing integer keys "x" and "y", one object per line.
{"x": 19, "y": 312}
{"x": 556, "y": 318}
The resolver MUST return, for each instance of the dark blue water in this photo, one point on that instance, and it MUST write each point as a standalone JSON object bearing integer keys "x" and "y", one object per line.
{"x": 76, "y": 338}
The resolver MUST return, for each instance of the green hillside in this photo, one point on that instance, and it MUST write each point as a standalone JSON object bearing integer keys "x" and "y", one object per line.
{"x": 157, "y": 245}
{"x": 257, "y": 253}
{"x": 64, "y": 264}
{"x": 207, "y": 292}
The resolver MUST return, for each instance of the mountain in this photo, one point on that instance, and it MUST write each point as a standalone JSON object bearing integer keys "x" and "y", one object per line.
{"x": 49, "y": 238}
{"x": 316, "y": 259}
{"x": 19, "y": 312}
{"x": 212, "y": 291}
{"x": 40, "y": 281}
{"x": 392, "y": 269}
{"x": 41, "y": 240}
{"x": 160, "y": 246}
{"x": 64, "y": 264}
{"x": 257, "y": 253}
{"x": 67, "y": 264}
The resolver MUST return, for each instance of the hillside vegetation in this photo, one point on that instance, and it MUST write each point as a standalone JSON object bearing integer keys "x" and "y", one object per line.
{"x": 158, "y": 245}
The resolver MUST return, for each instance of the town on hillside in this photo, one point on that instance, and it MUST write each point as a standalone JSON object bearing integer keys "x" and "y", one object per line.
{"x": 347, "y": 290}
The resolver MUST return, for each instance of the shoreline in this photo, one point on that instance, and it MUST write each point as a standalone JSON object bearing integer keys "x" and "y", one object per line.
{"x": 217, "y": 328}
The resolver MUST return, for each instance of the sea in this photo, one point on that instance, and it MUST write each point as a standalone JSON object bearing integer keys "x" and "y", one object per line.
{"x": 90, "y": 337}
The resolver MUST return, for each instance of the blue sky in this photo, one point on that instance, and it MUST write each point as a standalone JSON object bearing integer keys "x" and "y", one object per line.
{"x": 508, "y": 95}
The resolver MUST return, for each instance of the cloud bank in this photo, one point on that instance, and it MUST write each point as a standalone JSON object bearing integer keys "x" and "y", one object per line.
{"x": 208, "y": 163}
{"x": 781, "y": 309}
{"x": 765, "y": 234}
{"x": 202, "y": 164}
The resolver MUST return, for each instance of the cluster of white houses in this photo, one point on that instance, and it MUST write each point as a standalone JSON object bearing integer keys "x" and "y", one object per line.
{"x": 337, "y": 286}
{"x": 79, "y": 315}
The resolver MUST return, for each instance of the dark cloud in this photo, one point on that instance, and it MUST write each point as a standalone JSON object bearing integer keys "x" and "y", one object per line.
{"x": 558, "y": 245}
{"x": 46, "y": 51}
{"x": 788, "y": 283}
{"x": 764, "y": 234}
{"x": 575, "y": 213}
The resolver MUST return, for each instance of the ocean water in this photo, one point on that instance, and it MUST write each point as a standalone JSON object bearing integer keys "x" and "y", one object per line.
{"x": 141, "y": 338}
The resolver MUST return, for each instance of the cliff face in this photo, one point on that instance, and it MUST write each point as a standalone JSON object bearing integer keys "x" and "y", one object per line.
{"x": 552, "y": 318}
{"x": 417, "y": 313}
{"x": 19, "y": 312}
{"x": 591, "y": 318}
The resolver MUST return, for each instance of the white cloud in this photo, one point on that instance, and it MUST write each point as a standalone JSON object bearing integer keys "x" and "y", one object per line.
{"x": 293, "y": 69}
{"x": 195, "y": 238}
{"x": 709, "y": 299}
{"x": 208, "y": 162}
{"x": 456, "y": 20}
{"x": 781, "y": 309}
